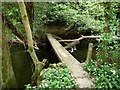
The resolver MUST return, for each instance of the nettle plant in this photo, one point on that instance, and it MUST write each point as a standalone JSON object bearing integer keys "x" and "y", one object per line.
{"x": 108, "y": 49}
{"x": 105, "y": 75}
{"x": 56, "y": 77}
{"x": 104, "y": 69}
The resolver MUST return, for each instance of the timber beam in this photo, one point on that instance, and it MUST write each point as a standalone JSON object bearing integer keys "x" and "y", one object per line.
{"x": 73, "y": 65}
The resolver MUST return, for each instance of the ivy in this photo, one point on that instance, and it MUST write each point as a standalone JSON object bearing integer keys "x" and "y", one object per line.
{"x": 56, "y": 77}
{"x": 68, "y": 13}
{"x": 106, "y": 76}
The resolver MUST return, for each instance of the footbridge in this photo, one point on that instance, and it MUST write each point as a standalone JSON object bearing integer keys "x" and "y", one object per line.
{"x": 73, "y": 65}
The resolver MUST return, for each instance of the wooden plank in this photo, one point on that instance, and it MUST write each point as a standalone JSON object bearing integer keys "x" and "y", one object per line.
{"x": 73, "y": 65}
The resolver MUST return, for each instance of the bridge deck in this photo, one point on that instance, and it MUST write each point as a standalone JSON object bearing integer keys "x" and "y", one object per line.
{"x": 73, "y": 65}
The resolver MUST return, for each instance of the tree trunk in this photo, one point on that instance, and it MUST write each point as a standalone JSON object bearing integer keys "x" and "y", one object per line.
{"x": 8, "y": 76}
{"x": 38, "y": 65}
{"x": 30, "y": 11}
{"x": 0, "y": 51}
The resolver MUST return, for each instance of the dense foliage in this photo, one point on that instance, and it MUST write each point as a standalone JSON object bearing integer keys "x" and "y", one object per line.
{"x": 108, "y": 50}
{"x": 56, "y": 76}
{"x": 10, "y": 10}
{"x": 106, "y": 75}
{"x": 83, "y": 15}
{"x": 99, "y": 18}
{"x": 68, "y": 13}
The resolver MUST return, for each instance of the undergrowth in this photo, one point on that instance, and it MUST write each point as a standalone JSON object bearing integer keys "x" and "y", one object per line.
{"x": 106, "y": 76}
{"x": 56, "y": 76}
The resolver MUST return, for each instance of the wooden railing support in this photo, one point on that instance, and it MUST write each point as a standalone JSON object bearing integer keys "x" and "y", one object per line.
{"x": 89, "y": 54}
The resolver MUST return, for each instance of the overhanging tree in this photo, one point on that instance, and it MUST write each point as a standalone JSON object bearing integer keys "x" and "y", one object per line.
{"x": 38, "y": 65}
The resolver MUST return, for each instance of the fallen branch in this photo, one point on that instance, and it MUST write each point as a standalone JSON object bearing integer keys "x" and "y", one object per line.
{"x": 77, "y": 41}
{"x": 67, "y": 40}
{"x": 71, "y": 40}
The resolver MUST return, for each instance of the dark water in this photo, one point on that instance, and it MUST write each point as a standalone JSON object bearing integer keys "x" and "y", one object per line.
{"x": 47, "y": 52}
{"x": 23, "y": 65}
{"x": 82, "y": 49}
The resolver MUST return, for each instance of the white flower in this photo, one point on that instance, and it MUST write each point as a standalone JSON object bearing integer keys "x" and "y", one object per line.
{"x": 34, "y": 87}
{"x": 113, "y": 71}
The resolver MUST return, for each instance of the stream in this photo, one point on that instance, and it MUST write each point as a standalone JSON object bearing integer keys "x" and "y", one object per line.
{"x": 23, "y": 65}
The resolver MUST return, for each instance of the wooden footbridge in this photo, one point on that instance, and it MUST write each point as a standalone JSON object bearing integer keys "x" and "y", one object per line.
{"x": 73, "y": 65}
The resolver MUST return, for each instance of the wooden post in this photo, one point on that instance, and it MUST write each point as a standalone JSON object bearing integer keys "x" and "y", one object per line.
{"x": 89, "y": 54}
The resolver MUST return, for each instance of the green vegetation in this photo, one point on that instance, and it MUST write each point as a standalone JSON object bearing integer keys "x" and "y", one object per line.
{"x": 106, "y": 75}
{"x": 55, "y": 77}
{"x": 74, "y": 19}
{"x": 70, "y": 14}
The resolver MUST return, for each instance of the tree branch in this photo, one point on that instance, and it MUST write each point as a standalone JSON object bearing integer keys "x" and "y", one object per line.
{"x": 77, "y": 41}
{"x": 7, "y": 22}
